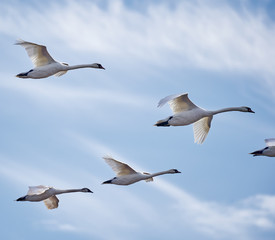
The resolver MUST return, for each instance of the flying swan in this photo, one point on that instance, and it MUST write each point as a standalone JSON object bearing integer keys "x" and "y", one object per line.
{"x": 44, "y": 64}
{"x": 186, "y": 112}
{"x": 48, "y": 195}
{"x": 268, "y": 151}
{"x": 125, "y": 175}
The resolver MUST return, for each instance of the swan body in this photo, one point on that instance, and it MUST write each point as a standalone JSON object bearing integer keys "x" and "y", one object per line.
{"x": 48, "y": 195}
{"x": 186, "y": 112}
{"x": 125, "y": 175}
{"x": 268, "y": 151}
{"x": 45, "y": 65}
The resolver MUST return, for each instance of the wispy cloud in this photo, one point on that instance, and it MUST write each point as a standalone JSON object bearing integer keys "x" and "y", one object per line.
{"x": 61, "y": 95}
{"x": 200, "y": 34}
{"x": 71, "y": 215}
{"x": 223, "y": 221}
{"x": 220, "y": 221}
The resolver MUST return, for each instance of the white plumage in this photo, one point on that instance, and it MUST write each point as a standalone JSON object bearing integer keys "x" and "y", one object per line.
{"x": 268, "y": 151}
{"x": 186, "y": 112}
{"x": 44, "y": 64}
{"x": 47, "y": 194}
{"x": 125, "y": 175}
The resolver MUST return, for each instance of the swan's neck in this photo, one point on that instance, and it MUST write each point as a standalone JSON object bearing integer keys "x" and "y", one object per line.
{"x": 81, "y": 66}
{"x": 230, "y": 109}
{"x": 158, "y": 173}
{"x": 59, "y": 191}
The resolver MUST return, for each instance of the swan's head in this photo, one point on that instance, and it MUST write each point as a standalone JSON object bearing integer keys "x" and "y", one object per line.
{"x": 97, "y": 65}
{"x": 174, "y": 171}
{"x": 21, "y": 199}
{"x": 86, "y": 190}
{"x": 247, "y": 109}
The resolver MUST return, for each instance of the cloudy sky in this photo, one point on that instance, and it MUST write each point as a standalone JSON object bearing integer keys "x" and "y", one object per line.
{"x": 55, "y": 131}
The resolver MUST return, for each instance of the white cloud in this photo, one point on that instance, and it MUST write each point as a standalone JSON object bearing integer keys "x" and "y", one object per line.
{"x": 220, "y": 221}
{"x": 197, "y": 35}
{"x": 115, "y": 208}
{"x": 194, "y": 35}
{"x": 62, "y": 95}
{"x": 27, "y": 175}
{"x": 200, "y": 34}
{"x": 55, "y": 225}
{"x": 236, "y": 221}
{"x": 214, "y": 219}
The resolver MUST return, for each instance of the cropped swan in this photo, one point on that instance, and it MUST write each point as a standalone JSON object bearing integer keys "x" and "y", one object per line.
{"x": 48, "y": 195}
{"x": 268, "y": 151}
{"x": 45, "y": 65}
{"x": 125, "y": 175}
{"x": 186, "y": 112}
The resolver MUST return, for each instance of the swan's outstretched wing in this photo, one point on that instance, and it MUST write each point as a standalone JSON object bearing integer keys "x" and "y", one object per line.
{"x": 118, "y": 167}
{"x": 270, "y": 142}
{"x": 201, "y": 129}
{"x": 178, "y": 102}
{"x": 148, "y": 179}
{"x": 37, "y": 53}
{"x": 33, "y": 190}
{"x": 51, "y": 202}
{"x": 58, "y": 74}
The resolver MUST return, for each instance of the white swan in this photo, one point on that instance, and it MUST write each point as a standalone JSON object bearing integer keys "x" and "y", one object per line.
{"x": 268, "y": 151}
{"x": 48, "y": 195}
{"x": 186, "y": 112}
{"x": 125, "y": 175}
{"x": 45, "y": 65}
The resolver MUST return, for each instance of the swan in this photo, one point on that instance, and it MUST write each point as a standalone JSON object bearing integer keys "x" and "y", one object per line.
{"x": 48, "y": 195}
{"x": 186, "y": 112}
{"x": 268, "y": 151}
{"x": 125, "y": 175}
{"x": 44, "y": 64}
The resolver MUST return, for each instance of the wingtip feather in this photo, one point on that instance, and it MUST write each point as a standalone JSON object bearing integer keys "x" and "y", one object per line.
{"x": 19, "y": 41}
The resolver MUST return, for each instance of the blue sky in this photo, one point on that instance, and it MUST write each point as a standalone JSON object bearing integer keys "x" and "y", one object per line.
{"x": 55, "y": 131}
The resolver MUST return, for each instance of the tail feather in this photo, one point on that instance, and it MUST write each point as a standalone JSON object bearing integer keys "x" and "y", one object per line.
{"x": 257, "y": 153}
{"x": 163, "y": 123}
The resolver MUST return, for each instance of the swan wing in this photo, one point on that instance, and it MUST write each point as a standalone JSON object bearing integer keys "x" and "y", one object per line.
{"x": 201, "y": 129}
{"x": 148, "y": 179}
{"x": 34, "y": 190}
{"x": 58, "y": 74}
{"x": 119, "y": 168}
{"x": 270, "y": 142}
{"x": 37, "y": 53}
{"x": 178, "y": 102}
{"x": 51, "y": 202}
